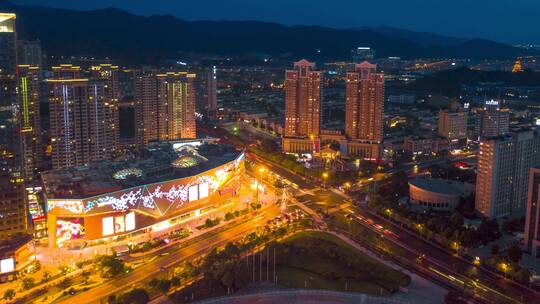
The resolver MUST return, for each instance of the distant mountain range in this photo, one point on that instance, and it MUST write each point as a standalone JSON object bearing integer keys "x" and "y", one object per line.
{"x": 421, "y": 38}
{"x": 136, "y": 39}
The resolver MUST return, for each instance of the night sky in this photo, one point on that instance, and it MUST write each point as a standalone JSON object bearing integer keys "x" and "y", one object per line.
{"x": 511, "y": 21}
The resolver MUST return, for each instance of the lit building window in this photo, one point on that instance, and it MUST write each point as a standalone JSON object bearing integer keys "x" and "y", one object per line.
{"x": 107, "y": 225}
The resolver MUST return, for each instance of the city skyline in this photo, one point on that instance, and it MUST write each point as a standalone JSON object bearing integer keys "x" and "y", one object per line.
{"x": 215, "y": 162}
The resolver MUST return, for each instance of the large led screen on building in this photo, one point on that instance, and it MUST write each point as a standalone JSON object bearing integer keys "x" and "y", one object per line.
{"x": 157, "y": 199}
{"x": 107, "y": 225}
{"x": 118, "y": 224}
{"x": 7, "y": 265}
{"x": 130, "y": 221}
{"x": 69, "y": 229}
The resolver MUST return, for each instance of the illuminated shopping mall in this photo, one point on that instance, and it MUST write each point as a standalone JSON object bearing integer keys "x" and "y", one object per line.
{"x": 161, "y": 185}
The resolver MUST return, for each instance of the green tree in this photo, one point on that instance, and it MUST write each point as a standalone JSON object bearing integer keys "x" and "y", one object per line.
{"x": 515, "y": 254}
{"x": 228, "y": 279}
{"x": 494, "y": 250}
{"x": 269, "y": 146}
{"x": 209, "y": 223}
{"x": 65, "y": 283}
{"x": 46, "y": 276}
{"x": 9, "y": 294}
{"x": 153, "y": 283}
{"x": 110, "y": 266}
{"x": 63, "y": 269}
{"x": 175, "y": 281}
{"x": 37, "y": 265}
{"x": 111, "y": 299}
{"x": 135, "y": 296}
{"x": 231, "y": 250}
{"x": 432, "y": 223}
{"x": 488, "y": 230}
{"x": 523, "y": 275}
{"x": 467, "y": 238}
{"x": 448, "y": 232}
{"x": 457, "y": 220}
{"x": 164, "y": 286}
{"x": 473, "y": 273}
{"x": 28, "y": 283}
{"x": 455, "y": 235}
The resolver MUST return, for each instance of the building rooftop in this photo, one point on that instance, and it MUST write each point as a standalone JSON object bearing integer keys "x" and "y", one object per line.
{"x": 7, "y": 247}
{"x": 158, "y": 162}
{"x": 440, "y": 186}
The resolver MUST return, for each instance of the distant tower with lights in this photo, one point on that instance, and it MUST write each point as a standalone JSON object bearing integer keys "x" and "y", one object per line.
{"x": 107, "y": 74}
{"x": 167, "y": 103}
{"x": 80, "y": 130}
{"x": 494, "y": 120}
{"x": 9, "y": 144}
{"x": 211, "y": 105}
{"x": 504, "y": 163}
{"x": 517, "y": 66}
{"x": 29, "y": 120}
{"x": 302, "y": 108}
{"x": 364, "y": 111}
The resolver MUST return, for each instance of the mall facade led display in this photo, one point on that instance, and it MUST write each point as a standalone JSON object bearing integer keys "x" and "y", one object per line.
{"x": 128, "y": 210}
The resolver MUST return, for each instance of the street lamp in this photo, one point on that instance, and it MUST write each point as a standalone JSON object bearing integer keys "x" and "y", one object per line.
{"x": 261, "y": 171}
{"x": 504, "y": 267}
{"x": 325, "y": 176}
{"x": 347, "y": 186}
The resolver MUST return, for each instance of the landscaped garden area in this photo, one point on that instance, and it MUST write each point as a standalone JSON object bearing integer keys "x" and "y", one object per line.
{"x": 322, "y": 261}
{"x": 307, "y": 259}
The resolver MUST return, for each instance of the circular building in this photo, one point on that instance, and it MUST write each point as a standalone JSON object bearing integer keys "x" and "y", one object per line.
{"x": 437, "y": 194}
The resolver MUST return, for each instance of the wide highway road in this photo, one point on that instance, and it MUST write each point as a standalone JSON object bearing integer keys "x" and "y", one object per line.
{"x": 153, "y": 269}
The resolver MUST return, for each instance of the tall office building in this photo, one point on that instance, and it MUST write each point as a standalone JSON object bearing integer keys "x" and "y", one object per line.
{"x": 302, "y": 100}
{"x": 302, "y": 107}
{"x": 30, "y": 53}
{"x": 29, "y": 119}
{"x": 13, "y": 209}
{"x": 167, "y": 106}
{"x": 9, "y": 145}
{"x": 453, "y": 125}
{"x": 146, "y": 107}
{"x": 364, "y": 103}
{"x": 364, "y": 110}
{"x": 494, "y": 121}
{"x": 80, "y": 132}
{"x": 503, "y": 168}
{"x": 108, "y": 75}
{"x": 211, "y": 83}
{"x": 176, "y": 100}
{"x": 532, "y": 218}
